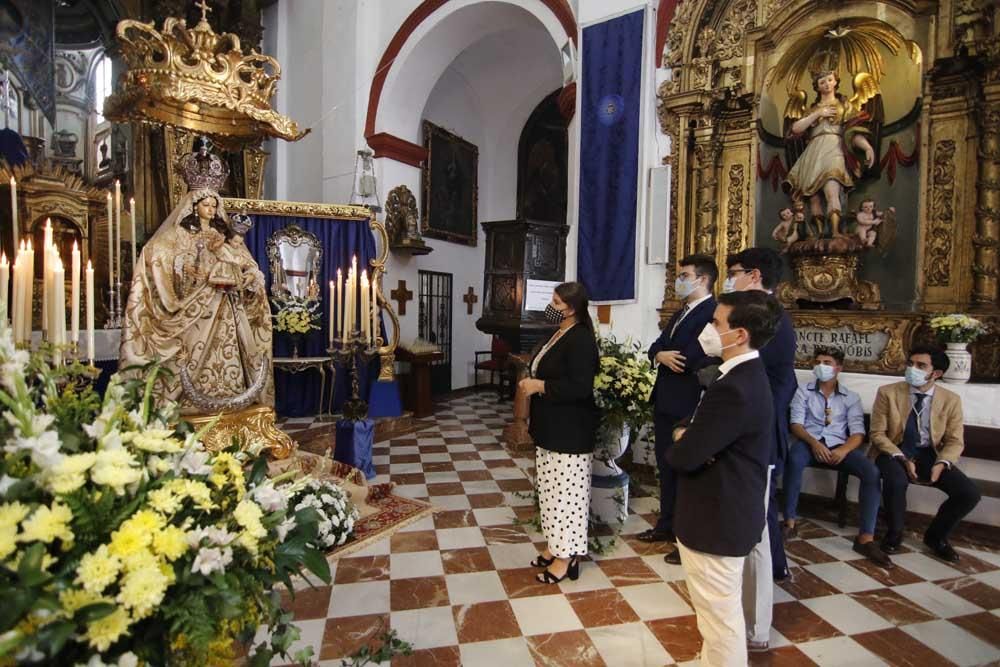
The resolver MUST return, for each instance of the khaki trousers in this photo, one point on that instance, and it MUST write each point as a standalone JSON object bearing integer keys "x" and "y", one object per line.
{"x": 715, "y": 583}
{"x": 758, "y": 582}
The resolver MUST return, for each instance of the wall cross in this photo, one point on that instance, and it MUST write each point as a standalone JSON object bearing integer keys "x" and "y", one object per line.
{"x": 401, "y": 295}
{"x": 470, "y": 299}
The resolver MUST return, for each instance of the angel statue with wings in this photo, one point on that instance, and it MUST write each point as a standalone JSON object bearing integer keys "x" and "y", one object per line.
{"x": 834, "y": 130}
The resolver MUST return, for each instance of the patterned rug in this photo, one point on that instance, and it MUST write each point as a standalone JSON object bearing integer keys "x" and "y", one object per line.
{"x": 382, "y": 512}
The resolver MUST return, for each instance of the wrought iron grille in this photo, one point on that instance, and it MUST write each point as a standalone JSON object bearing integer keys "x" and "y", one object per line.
{"x": 435, "y": 323}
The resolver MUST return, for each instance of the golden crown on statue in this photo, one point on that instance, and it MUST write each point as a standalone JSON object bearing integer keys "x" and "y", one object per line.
{"x": 199, "y": 80}
{"x": 824, "y": 62}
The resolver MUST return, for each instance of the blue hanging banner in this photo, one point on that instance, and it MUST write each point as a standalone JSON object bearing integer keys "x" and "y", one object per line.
{"x": 609, "y": 156}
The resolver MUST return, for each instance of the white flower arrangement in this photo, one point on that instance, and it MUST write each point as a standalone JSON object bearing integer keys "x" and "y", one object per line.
{"x": 623, "y": 384}
{"x": 957, "y": 328}
{"x": 333, "y": 506}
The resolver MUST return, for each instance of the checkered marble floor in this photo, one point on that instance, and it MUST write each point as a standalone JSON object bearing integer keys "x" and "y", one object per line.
{"x": 458, "y": 586}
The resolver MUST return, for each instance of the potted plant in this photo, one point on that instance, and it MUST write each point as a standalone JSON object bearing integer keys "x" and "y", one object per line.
{"x": 956, "y": 331}
{"x": 621, "y": 389}
{"x": 295, "y": 317}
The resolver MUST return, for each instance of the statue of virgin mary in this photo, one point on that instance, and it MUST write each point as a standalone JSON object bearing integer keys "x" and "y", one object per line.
{"x": 198, "y": 304}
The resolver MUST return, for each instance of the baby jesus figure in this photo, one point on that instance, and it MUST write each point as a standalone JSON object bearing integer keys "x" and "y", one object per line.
{"x": 786, "y": 231}
{"x": 868, "y": 218}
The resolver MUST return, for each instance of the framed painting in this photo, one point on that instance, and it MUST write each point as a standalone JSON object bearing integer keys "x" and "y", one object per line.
{"x": 451, "y": 188}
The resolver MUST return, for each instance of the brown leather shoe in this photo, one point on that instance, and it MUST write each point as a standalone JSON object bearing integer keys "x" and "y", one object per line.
{"x": 873, "y": 552}
{"x": 653, "y": 535}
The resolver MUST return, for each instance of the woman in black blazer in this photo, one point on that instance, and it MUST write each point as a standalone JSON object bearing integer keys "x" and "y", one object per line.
{"x": 563, "y": 424}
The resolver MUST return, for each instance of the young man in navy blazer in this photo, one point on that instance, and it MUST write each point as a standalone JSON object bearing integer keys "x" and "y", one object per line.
{"x": 676, "y": 355}
{"x": 722, "y": 458}
{"x": 759, "y": 269}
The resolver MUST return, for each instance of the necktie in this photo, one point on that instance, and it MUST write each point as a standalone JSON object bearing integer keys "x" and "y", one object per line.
{"x": 911, "y": 434}
{"x": 684, "y": 312}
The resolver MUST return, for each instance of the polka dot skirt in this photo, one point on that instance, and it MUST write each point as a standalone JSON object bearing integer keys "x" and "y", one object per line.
{"x": 564, "y": 498}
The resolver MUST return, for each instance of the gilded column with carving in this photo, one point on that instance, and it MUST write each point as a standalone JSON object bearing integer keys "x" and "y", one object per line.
{"x": 987, "y": 234}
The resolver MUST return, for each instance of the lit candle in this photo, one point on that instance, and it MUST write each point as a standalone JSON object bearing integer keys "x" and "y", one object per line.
{"x": 329, "y": 325}
{"x": 118, "y": 227}
{"x": 366, "y": 317}
{"x": 17, "y": 311}
{"x": 57, "y": 316}
{"x": 4, "y": 284}
{"x": 75, "y": 297}
{"x": 131, "y": 215}
{"x": 13, "y": 211}
{"x": 111, "y": 242}
{"x": 375, "y": 331}
{"x": 47, "y": 266}
{"x": 339, "y": 301}
{"x": 29, "y": 290}
{"x": 90, "y": 312}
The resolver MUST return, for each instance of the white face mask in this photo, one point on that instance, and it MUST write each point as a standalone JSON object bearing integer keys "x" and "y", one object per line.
{"x": 684, "y": 288}
{"x": 823, "y": 372}
{"x": 711, "y": 341}
{"x": 916, "y": 377}
{"x": 729, "y": 285}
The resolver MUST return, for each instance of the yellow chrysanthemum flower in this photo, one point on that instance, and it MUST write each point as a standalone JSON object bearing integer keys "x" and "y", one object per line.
{"x": 142, "y": 591}
{"x": 98, "y": 569}
{"x": 128, "y": 540}
{"x": 145, "y": 520}
{"x": 73, "y": 599}
{"x": 170, "y": 542}
{"x": 12, "y": 513}
{"x": 8, "y": 537}
{"x": 47, "y": 524}
{"x": 164, "y": 500}
{"x": 104, "y": 632}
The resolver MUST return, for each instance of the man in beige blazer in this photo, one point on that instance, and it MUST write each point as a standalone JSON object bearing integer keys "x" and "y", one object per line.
{"x": 917, "y": 437}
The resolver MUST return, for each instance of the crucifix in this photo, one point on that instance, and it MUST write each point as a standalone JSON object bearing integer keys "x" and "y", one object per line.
{"x": 470, "y": 299}
{"x": 205, "y": 9}
{"x": 401, "y": 295}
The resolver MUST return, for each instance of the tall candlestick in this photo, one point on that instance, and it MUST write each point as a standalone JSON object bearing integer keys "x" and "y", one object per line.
{"x": 57, "y": 316}
{"x": 13, "y": 211}
{"x": 29, "y": 291}
{"x": 47, "y": 267}
{"x": 339, "y": 301}
{"x": 111, "y": 242}
{"x": 90, "y": 313}
{"x": 329, "y": 325}
{"x": 375, "y": 329}
{"x": 4, "y": 284}
{"x": 118, "y": 226}
{"x": 17, "y": 311}
{"x": 131, "y": 216}
{"x": 75, "y": 297}
{"x": 366, "y": 317}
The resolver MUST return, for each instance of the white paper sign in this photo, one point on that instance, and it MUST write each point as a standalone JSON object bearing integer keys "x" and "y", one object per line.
{"x": 538, "y": 293}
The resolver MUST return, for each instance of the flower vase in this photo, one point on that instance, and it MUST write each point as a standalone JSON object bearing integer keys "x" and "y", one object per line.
{"x": 609, "y": 483}
{"x": 295, "y": 340}
{"x": 960, "y": 368}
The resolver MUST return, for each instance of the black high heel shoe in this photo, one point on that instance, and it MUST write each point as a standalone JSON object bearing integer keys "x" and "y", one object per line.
{"x": 542, "y": 561}
{"x": 573, "y": 572}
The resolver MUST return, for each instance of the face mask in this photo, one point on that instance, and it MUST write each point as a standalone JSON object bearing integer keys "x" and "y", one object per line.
{"x": 553, "y": 315}
{"x": 916, "y": 377}
{"x": 684, "y": 288}
{"x": 823, "y": 372}
{"x": 711, "y": 341}
{"x": 729, "y": 285}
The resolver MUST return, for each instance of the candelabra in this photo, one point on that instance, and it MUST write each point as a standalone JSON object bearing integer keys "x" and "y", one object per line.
{"x": 114, "y": 306}
{"x": 357, "y": 345}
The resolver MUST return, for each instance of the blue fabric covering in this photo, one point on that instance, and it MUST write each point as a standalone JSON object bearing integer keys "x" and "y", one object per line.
{"x": 609, "y": 156}
{"x": 384, "y": 400}
{"x": 296, "y": 395}
{"x": 12, "y": 147}
{"x": 355, "y": 440}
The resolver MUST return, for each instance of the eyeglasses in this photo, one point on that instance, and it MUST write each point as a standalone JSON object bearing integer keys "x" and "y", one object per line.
{"x": 731, "y": 273}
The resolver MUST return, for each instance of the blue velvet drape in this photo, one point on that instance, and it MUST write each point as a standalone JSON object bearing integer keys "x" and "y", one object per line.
{"x": 609, "y": 156}
{"x": 297, "y": 395}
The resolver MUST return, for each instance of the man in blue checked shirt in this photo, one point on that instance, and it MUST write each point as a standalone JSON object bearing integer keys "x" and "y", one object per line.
{"x": 828, "y": 423}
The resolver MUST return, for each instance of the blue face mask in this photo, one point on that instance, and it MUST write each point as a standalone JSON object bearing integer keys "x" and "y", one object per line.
{"x": 915, "y": 377}
{"x": 729, "y": 285}
{"x": 823, "y": 372}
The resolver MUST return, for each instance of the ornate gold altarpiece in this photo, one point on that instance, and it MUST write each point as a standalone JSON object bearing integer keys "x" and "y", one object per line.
{"x": 720, "y": 54}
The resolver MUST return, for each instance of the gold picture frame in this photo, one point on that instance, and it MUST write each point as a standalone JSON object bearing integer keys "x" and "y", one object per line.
{"x": 450, "y": 180}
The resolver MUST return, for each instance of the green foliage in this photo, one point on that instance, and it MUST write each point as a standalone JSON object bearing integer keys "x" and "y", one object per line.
{"x": 390, "y": 646}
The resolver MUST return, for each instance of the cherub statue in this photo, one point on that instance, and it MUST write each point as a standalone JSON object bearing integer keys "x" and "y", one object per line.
{"x": 786, "y": 232}
{"x": 868, "y": 218}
